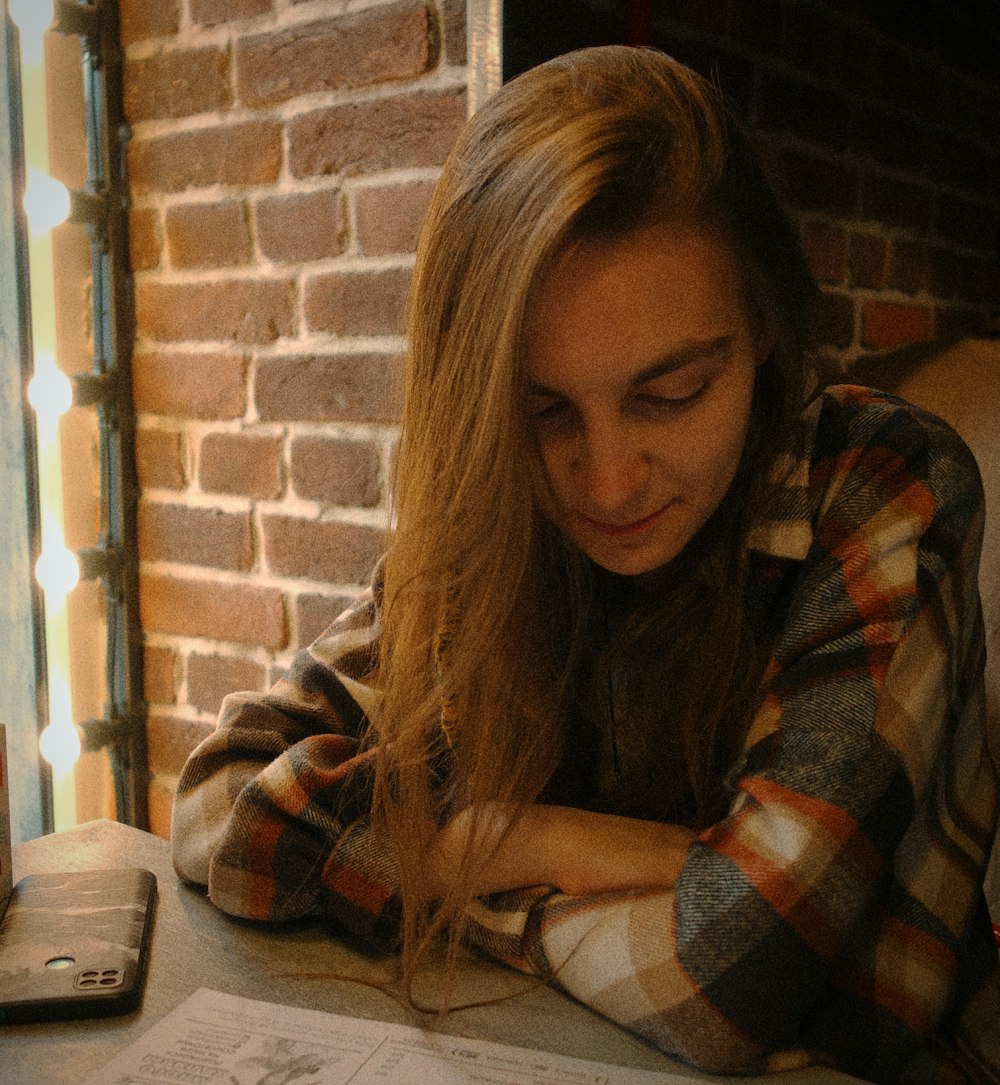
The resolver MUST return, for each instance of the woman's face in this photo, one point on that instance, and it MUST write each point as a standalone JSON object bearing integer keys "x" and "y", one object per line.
{"x": 641, "y": 360}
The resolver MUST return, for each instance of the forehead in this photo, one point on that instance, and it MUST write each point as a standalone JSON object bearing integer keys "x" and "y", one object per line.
{"x": 611, "y": 305}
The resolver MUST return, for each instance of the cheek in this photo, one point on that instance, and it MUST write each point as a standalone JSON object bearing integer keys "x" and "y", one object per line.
{"x": 545, "y": 475}
{"x": 551, "y": 466}
{"x": 715, "y": 442}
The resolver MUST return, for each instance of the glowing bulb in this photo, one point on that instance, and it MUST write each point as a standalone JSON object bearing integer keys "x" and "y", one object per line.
{"x": 33, "y": 18}
{"x": 50, "y": 391}
{"x": 59, "y": 743}
{"x": 46, "y": 202}
{"x": 60, "y": 746}
{"x": 57, "y": 570}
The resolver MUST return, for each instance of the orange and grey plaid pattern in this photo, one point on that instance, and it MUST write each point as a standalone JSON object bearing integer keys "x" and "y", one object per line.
{"x": 835, "y": 916}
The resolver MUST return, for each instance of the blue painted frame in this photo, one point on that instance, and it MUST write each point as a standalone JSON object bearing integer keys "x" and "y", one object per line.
{"x": 23, "y": 703}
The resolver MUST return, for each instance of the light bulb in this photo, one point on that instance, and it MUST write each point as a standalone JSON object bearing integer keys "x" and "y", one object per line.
{"x": 32, "y": 18}
{"x": 58, "y": 571}
{"x": 46, "y": 202}
{"x": 50, "y": 391}
{"x": 60, "y": 746}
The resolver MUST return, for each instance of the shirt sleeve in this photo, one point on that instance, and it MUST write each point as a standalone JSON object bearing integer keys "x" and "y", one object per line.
{"x": 823, "y": 917}
{"x": 271, "y": 810}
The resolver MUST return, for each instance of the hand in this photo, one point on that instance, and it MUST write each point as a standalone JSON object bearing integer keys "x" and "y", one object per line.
{"x": 576, "y": 851}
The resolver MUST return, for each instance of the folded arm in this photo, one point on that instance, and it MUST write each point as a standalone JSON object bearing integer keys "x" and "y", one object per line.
{"x": 842, "y": 849}
{"x": 575, "y": 851}
{"x": 271, "y": 811}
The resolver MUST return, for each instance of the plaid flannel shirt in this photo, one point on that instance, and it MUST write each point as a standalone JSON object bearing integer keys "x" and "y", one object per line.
{"x": 836, "y": 915}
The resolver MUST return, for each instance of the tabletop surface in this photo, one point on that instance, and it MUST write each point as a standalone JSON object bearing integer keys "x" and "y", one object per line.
{"x": 300, "y": 964}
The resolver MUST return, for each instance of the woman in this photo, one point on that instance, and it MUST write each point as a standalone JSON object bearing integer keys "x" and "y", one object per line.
{"x": 669, "y": 651}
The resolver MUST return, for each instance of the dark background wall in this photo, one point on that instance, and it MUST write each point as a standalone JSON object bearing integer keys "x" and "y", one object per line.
{"x": 879, "y": 122}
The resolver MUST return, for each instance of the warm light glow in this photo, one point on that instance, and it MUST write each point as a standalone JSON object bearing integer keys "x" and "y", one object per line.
{"x": 46, "y": 202}
{"x": 60, "y": 746}
{"x": 59, "y": 743}
{"x": 58, "y": 571}
{"x": 50, "y": 391}
{"x": 33, "y": 18}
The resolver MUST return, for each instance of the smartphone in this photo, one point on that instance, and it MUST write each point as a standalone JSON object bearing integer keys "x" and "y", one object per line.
{"x": 75, "y": 944}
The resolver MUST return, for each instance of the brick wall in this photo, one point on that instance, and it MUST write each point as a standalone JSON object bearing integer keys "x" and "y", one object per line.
{"x": 281, "y": 158}
{"x": 880, "y": 123}
{"x": 282, "y": 153}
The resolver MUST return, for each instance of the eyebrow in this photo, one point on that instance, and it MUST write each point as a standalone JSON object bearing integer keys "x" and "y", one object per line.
{"x": 683, "y": 356}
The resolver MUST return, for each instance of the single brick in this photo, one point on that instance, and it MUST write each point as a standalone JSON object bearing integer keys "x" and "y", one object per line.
{"x": 180, "y": 83}
{"x": 868, "y": 256}
{"x": 251, "y": 311}
{"x": 328, "y": 388}
{"x": 886, "y": 324}
{"x": 910, "y": 267}
{"x": 159, "y": 459}
{"x": 327, "y": 551}
{"x": 388, "y": 43}
{"x": 159, "y": 667}
{"x": 214, "y": 12}
{"x": 139, "y": 20}
{"x": 198, "y": 386}
{"x": 144, "y": 240}
{"x": 248, "y": 153}
{"x": 302, "y": 226}
{"x": 211, "y": 678}
{"x": 195, "y": 536}
{"x": 241, "y": 463}
{"x": 238, "y": 613}
{"x": 365, "y": 137}
{"x": 171, "y": 740}
{"x": 201, "y": 235}
{"x": 389, "y": 217}
{"x": 336, "y": 471}
{"x": 358, "y": 303}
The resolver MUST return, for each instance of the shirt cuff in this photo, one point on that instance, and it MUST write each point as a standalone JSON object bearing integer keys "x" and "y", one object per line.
{"x": 360, "y": 886}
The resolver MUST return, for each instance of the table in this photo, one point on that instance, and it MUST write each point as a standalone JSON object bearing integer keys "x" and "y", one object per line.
{"x": 195, "y": 945}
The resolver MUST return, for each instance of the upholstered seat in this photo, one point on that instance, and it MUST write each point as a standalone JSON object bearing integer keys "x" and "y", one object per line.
{"x": 960, "y": 382}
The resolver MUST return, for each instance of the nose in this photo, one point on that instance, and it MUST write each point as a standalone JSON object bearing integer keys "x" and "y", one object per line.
{"x": 612, "y": 470}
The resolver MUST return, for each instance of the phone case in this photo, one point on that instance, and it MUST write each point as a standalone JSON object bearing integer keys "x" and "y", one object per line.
{"x": 75, "y": 944}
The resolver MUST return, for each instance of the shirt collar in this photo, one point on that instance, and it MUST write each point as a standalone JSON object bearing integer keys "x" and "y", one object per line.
{"x": 785, "y": 527}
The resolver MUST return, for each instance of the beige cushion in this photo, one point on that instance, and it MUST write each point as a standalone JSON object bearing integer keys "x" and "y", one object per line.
{"x": 960, "y": 383}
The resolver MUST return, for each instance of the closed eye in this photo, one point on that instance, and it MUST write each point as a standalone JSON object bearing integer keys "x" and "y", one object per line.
{"x": 671, "y": 403}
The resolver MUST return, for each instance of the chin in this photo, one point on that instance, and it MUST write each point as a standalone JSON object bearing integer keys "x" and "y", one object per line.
{"x": 637, "y": 564}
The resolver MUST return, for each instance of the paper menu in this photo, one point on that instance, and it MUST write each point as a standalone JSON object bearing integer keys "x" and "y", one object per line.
{"x": 214, "y": 1037}
{"x": 5, "y": 861}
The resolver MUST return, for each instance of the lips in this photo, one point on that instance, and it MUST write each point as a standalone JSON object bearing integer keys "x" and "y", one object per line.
{"x": 628, "y": 530}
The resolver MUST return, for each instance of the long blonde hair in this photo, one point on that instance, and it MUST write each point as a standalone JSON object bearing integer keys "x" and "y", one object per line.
{"x": 486, "y": 642}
